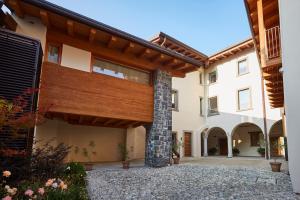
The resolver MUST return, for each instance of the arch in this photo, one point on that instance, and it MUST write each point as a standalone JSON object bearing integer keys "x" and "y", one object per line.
{"x": 277, "y": 140}
{"x": 246, "y": 139}
{"x": 217, "y": 142}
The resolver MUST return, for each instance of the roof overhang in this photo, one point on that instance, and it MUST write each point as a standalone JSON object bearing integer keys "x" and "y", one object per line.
{"x": 271, "y": 72}
{"x": 232, "y": 50}
{"x": 168, "y": 42}
{"x": 151, "y": 56}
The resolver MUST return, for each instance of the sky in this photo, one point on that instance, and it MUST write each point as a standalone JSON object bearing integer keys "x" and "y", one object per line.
{"x": 206, "y": 25}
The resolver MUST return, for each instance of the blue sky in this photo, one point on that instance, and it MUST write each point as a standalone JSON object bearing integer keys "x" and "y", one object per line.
{"x": 206, "y": 25}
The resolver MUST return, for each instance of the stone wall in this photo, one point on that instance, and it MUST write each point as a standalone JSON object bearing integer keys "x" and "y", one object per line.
{"x": 159, "y": 133}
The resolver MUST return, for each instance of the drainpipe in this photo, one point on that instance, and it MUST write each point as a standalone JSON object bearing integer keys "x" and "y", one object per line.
{"x": 264, "y": 116}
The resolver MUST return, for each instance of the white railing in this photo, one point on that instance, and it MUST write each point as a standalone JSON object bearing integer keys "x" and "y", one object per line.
{"x": 273, "y": 42}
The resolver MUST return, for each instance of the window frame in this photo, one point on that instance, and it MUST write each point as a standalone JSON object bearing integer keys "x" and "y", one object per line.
{"x": 247, "y": 64}
{"x": 176, "y": 97}
{"x": 214, "y": 71}
{"x": 250, "y": 99}
{"x": 209, "y": 110}
{"x": 59, "y": 45}
{"x": 201, "y": 106}
{"x": 95, "y": 57}
{"x": 201, "y": 78}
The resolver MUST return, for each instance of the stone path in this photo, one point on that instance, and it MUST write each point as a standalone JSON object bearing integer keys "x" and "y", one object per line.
{"x": 189, "y": 181}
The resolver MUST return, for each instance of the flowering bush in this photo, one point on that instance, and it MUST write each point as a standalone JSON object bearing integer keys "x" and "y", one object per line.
{"x": 52, "y": 189}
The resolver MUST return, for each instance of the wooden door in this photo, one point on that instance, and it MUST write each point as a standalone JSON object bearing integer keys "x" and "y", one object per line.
{"x": 274, "y": 150}
{"x": 223, "y": 146}
{"x": 187, "y": 144}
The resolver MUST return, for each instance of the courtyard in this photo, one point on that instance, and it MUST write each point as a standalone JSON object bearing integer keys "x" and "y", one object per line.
{"x": 205, "y": 178}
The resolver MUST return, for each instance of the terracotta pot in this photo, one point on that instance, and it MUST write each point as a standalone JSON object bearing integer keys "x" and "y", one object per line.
{"x": 275, "y": 166}
{"x": 88, "y": 166}
{"x": 176, "y": 160}
{"x": 125, "y": 164}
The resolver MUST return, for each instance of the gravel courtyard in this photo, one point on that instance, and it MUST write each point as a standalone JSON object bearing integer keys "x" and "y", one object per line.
{"x": 189, "y": 181}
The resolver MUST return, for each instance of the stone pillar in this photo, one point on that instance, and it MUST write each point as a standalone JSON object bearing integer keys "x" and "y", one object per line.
{"x": 159, "y": 133}
{"x": 229, "y": 145}
{"x": 205, "y": 146}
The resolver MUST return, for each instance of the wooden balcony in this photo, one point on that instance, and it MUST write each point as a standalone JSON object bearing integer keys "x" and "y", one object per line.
{"x": 94, "y": 99}
{"x": 273, "y": 46}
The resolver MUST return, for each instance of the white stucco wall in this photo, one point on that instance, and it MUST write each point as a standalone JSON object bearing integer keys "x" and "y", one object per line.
{"x": 76, "y": 58}
{"x": 290, "y": 42}
{"x": 188, "y": 118}
{"x": 32, "y": 27}
{"x": 226, "y": 89}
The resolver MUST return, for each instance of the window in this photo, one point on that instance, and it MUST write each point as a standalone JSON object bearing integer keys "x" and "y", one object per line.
{"x": 122, "y": 72}
{"x": 201, "y": 78}
{"x": 254, "y": 139}
{"x": 213, "y": 106}
{"x": 175, "y": 100}
{"x": 53, "y": 53}
{"x": 244, "y": 99}
{"x": 243, "y": 67}
{"x": 212, "y": 77}
{"x": 201, "y": 106}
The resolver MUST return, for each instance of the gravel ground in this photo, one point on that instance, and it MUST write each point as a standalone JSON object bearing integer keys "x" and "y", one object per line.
{"x": 189, "y": 181}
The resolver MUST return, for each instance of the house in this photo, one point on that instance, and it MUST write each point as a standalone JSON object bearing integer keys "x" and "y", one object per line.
{"x": 275, "y": 32}
{"x": 104, "y": 85}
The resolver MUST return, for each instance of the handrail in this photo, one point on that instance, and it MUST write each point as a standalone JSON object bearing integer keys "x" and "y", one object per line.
{"x": 273, "y": 45}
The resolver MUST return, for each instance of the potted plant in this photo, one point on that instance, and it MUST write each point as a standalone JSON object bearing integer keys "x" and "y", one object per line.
{"x": 124, "y": 153}
{"x": 235, "y": 151}
{"x": 261, "y": 151}
{"x": 176, "y": 150}
{"x": 212, "y": 151}
{"x": 276, "y": 166}
{"x": 87, "y": 152}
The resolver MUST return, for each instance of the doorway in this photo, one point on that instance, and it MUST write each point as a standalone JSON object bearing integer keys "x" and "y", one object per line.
{"x": 223, "y": 146}
{"x": 187, "y": 144}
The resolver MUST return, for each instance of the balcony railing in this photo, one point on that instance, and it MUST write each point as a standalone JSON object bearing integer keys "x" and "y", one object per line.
{"x": 273, "y": 42}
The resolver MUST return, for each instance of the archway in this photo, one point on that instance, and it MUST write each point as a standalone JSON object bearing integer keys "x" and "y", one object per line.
{"x": 247, "y": 138}
{"x": 277, "y": 140}
{"x": 217, "y": 142}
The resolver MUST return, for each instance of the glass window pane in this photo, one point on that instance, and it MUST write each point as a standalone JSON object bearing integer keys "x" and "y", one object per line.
{"x": 242, "y": 67}
{"x": 213, "y": 105}
{"x": 118, "y": 71}
{"x": 244, "y": 99}
{"x": 212, "y": 77}
{"x": 53, "y": 54}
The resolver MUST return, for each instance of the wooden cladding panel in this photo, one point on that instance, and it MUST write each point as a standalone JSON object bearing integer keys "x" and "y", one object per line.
{"x": 89, "y": 94}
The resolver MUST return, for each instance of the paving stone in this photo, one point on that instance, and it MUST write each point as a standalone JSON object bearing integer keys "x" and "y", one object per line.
{"x": 189, "y": 181}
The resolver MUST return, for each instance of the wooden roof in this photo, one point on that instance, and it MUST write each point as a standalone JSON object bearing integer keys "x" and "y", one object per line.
{"x": 232, "y": 50}
{"x": 271, "y": 69}
{"x": 168, "y": 42}
{"x": 125, "y": 48}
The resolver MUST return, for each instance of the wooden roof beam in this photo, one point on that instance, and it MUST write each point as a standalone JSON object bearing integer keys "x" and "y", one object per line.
{"x": 109, "y": 122}
{"x": 44, "y": 18}
{"x": 111, "y": 41}
{"x": 17, "y": 8}
{"x": 128, "y": 47}
{"x": 144, "y": 52}
{"x": 171, "y": 62}
{"x": 92, "y": 35}
{"x": 70, "y": 27}
{"x": 180, "y": 67}
{"x": 157, "y": 57}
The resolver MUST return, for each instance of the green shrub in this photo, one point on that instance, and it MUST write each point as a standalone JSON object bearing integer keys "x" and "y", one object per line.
{"x": 75, "y": 173}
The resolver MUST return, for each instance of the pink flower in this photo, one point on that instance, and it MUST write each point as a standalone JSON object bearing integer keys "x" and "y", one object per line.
{"x": 28, "y": 192}
{"x": 49, "y": 182}
{"x": 41, "y": 191}
{"x": 7, "y": 198}
{"x": 6, "y": 173}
